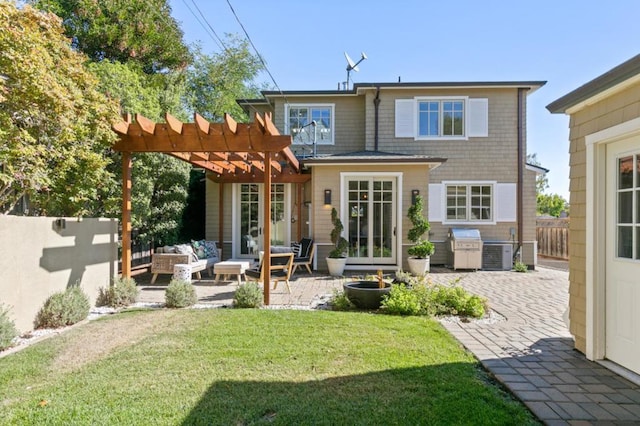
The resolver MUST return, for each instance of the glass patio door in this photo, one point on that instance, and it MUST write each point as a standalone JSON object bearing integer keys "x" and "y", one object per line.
{"x": 251, "y": 224}
{"x": 371, "y": 224}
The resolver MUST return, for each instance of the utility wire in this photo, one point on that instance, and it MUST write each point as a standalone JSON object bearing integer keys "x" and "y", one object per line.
{"x": 257, "y": 53}
{"x": 210, "y": 27}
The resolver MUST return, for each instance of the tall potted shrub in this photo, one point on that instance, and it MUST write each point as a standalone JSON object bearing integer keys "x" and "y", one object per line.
{"x": 337, "y": 258}
{"x": 422, "y": 249}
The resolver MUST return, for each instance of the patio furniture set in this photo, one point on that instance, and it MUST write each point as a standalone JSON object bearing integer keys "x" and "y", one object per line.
{"x": 183, "y": 260}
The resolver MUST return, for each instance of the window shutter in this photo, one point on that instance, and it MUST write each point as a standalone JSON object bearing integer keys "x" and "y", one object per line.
{"x": 435, "y": 202}
{"x": 506, "y": 202}
{"x": 405, "y": 118}
{"x": 478, "y": 118}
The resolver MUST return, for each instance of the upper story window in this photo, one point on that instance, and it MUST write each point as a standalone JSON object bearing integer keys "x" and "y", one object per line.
{"x": 440, "y": 118}
{"x": 444, "y": 117}
{"x": 469, "y": 202}
{"x": 300, "y": 119}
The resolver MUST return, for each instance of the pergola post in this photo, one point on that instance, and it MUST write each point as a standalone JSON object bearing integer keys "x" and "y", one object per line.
{"x": 266, "y": 259}
{"x": 126, "y": 214}
{"x": 221, "y": 215}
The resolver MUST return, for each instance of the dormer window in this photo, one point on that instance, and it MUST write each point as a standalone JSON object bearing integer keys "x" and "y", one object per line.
{"x": 299, "y": 123}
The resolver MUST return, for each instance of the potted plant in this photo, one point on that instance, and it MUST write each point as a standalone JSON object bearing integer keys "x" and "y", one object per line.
{"x": 337, "y": 258}
{"x": 422, "y": 249}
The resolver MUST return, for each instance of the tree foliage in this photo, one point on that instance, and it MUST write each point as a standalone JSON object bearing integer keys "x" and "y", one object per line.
{"x": 160, "y": 182}
{"x": 141, "y": 31}
{"x": 542, "y": 181}
{"x": 551, "y": 205}
{"x": 55, "y": 123}
{"x": 214, "y": 82}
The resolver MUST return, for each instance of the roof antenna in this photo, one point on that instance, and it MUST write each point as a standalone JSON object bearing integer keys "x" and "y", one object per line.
{"x": 353, "y": 65}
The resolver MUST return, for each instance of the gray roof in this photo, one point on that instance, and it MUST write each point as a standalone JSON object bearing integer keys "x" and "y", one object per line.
{"x": 372, "y": 157}
{"x": 606, "y": 81}
{"x": 531, "y": 85}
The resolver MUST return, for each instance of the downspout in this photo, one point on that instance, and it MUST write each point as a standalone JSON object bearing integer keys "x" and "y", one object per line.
{"x": 376, "y": 103}
{"x": 521, "y": 160}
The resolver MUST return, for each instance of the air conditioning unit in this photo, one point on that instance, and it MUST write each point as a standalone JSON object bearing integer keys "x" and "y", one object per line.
{"x": 497, "y": 257}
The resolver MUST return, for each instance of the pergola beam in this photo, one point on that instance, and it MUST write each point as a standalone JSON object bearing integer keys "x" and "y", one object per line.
{"x": 221, "y": 148}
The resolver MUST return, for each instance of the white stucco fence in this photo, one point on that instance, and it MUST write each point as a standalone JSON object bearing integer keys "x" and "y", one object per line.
{"x": 43, "y": 255}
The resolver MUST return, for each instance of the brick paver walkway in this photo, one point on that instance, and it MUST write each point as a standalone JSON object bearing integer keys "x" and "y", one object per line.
{"x": 530, "y": 352}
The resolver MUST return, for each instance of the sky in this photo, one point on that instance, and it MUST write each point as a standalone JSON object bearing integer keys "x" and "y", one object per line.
{"x": 564, "y": 42}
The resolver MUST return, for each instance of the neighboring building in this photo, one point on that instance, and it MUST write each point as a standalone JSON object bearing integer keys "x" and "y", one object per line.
{"x": 604, "y": 251}
{"x": 461, "y": 146}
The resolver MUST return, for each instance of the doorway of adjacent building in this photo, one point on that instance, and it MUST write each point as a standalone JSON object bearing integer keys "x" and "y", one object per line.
{"x": 249, "y": 220}
{"x": 622, "y": 265}
{"x": 371, "y": 224}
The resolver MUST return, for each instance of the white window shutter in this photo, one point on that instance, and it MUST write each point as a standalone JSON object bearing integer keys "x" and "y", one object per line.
{"x": 505, "y": 202}
{"x": 435, "y": 202}
{"x": 405, "y": 118}
{"x": 478, "y": 118}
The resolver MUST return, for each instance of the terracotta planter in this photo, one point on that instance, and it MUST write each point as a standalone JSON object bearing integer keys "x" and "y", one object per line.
{"x": 366, "y": 294}
{"x": 419, "y": 266}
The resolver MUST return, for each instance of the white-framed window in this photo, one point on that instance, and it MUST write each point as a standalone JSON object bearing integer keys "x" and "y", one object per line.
{"x": 299, "y": 123}
{"x": 445, "y": 117}
{"x": 441, "y": 118}
{"x": 469, "y": 202}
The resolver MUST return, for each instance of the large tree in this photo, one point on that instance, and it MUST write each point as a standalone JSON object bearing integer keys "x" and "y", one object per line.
{"x": 215, "y": 82}
{"x": 160, "y": 182}
{"x": 55, "y": 124}
{"x": 142, "y": 31}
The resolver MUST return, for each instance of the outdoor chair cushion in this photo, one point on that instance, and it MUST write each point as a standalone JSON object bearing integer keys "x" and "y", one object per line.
{"x": 305, "y": 249}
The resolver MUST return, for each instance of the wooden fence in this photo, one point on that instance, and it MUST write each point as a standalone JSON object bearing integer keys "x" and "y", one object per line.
{"x": 553, "y": 237}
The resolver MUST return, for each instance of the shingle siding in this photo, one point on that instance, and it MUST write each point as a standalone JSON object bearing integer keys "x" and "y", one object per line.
{"x": 606, "y": 113}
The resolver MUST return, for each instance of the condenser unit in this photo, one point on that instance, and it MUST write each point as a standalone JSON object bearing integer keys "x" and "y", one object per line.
{"x": 497, "y": 257}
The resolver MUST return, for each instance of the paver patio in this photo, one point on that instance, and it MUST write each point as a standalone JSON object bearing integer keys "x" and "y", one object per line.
{"x": 530, "y": 352}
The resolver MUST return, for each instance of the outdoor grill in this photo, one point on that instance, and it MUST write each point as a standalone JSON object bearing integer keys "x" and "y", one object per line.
{"x": 465, "y": 248}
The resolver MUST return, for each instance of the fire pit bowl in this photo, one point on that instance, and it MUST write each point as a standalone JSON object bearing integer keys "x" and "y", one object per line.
{"x": 366, "y": 294}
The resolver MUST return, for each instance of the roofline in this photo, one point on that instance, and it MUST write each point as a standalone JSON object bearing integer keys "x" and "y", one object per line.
{"x": 358, "y": 87}
{"x": 604, "y": 82}
{"x": 329, "y": 161}
{"x": 536, "y": 168}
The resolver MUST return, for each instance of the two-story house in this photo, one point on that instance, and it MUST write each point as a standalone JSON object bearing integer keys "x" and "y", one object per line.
{"x": 369, "y": 150}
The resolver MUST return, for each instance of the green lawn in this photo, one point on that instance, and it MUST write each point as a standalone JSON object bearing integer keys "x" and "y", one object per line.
{"x": 241, "y": 367}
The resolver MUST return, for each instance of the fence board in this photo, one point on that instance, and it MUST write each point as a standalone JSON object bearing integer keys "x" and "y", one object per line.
{"x": 553, "y": 237}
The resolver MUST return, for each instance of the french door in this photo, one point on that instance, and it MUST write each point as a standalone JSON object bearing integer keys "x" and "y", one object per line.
{"x": 622, "y": 288}
{"x": 371, "y": 219}
{"x": 248, "y": 238}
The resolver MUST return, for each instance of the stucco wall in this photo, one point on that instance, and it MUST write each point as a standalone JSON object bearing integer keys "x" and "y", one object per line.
{"x": 600, "y": 115}
{"x": 38, "y": 258}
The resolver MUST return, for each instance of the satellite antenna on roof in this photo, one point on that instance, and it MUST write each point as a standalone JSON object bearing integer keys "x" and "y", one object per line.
{"x": 353, "y": 65}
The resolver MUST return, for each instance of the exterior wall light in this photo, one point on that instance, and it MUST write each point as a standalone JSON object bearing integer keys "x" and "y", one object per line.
{"x": 327, "y": 197}
{"x": 414, "y": 194}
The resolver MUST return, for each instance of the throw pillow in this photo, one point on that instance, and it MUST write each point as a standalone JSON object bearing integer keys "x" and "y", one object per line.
{"x": 199, "y": 248}
{"x": 210, "y": 249}
{"x": 186, "y": 249}
{"x": 296, "y": 248}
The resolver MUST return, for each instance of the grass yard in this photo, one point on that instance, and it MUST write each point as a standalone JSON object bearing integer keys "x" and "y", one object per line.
{"x": 242, "y": 367}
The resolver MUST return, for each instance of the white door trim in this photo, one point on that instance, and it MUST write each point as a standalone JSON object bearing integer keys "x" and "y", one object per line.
{"x": 595, "y": 223}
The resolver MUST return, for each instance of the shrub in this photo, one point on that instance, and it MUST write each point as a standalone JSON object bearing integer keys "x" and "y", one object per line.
{"x": 520, "y": 267}
{"x": 121, "y": 292}
{"x": 248, "y": 295}
{"x": 340, "y": 301}
{"x": 180, "y": 294}
{"x": 401, "y": 300}
{"x": 64, "y": 308}
{"x": 456, "y": 301}
{"x": 8, "y": 330}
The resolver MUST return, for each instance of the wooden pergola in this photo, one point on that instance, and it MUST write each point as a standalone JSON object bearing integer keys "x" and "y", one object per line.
{"x": 233, "y": 153}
